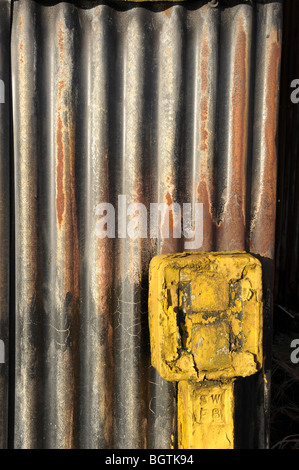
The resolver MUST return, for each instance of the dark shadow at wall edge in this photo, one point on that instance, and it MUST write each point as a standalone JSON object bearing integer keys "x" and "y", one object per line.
{"x": 252, "y": 394}
{"x": 285, "y": 377}
{"x": 154, "y": 5}
{"x": 6, "y": 228}
{"x": 12, "y": 348}
{"x": 287, "y": 221}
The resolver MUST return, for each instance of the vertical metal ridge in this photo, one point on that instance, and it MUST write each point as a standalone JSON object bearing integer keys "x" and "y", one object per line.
{"x": 28, "y": 272}
{"x": 97, "y": 255}
{"x": 46, "y": 194}
{"x": 131, "y": 163}
{"x": 166, "y": 187}
{"x": 264, "y": 162}
{"x": 233, "y": 127}
{"x": 161, "y": 394}
{"x": 5, "y": 223}
{"x": 201, "y": 83}
{"x": 234, "y": 154}
{"x": 170, "y": 102}
{"x": 63, "y": 299}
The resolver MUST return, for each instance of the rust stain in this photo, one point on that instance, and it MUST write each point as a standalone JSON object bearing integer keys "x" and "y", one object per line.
{"x": 263, "y": 232}
{"x": 60, "y": 198}
{"x": 170, "y": 244}
{"x": 205, "y": 185}
{"x": 61, "y": 87}
{"x": 234, "y": 211}
{"x": 73, "y": 235}
{"x": 239, "y": 142}
{"x": 204, "y": 88}
{"x": 203, "y": 131}
{"x": 21, "y": 21}
{"x": 68, "y": 256}
{"x": 166, "y": 12}
{"x": 70, "y": 269}
{"x": 203, "y": 196}
{"x": 21, "y": 48}
{"x": 168, "y": 199}
{"x": 169, "y": 202}
{"x": 61, "y": 43}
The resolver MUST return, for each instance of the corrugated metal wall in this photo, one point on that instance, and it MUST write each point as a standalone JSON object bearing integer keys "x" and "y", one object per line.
{"x": 161, "y": 103}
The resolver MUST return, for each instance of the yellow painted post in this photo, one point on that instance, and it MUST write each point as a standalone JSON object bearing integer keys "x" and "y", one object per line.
{"x": 205, "y": 317}
{"x": 206, "y": 415}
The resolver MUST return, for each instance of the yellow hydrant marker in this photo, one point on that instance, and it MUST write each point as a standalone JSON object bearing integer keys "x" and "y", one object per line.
{"x": 205, "y": 317}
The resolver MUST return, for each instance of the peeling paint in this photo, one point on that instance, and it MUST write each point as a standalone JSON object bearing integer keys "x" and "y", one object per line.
{"x": 205, "y": 328}
{"x": 215, "y": 319}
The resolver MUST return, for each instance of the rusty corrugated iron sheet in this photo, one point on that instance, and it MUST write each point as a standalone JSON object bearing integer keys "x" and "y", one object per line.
{"x": 160, "y": 103}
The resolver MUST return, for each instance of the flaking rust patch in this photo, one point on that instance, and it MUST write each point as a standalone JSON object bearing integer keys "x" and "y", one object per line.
{"x": 205, "y": 315}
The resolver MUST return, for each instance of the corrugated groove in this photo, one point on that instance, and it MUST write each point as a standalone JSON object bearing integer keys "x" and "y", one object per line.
{"x": 158, "y": 103}
{"x": 5, "y": 215}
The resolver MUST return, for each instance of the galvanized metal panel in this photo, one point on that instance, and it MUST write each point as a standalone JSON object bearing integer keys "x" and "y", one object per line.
{"x": 5, "y": 215}
{"x": 160, "y": 103}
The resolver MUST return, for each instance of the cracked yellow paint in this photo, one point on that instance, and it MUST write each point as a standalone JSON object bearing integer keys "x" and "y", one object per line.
{"x": 205, "y": 315}
{"x": 205, "y": 318}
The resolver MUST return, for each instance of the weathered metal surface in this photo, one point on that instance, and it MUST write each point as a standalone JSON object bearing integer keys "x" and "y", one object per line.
{"x": 160, "y": 103}
{"x": 5, "y": 215}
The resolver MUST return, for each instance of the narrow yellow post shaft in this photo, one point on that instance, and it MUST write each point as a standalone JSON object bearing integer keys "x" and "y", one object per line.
{"x": 206, "y": 415}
